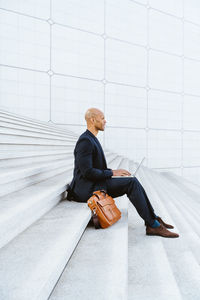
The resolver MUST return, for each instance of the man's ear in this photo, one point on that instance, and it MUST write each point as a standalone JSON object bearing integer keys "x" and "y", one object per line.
{"x": 92, "y": 120}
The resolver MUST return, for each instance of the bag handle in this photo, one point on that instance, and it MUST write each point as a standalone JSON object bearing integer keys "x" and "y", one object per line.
{"x": 102, "y": 191}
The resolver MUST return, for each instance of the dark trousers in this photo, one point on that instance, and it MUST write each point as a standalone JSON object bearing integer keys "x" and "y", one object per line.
{"x": 117, "y": 187}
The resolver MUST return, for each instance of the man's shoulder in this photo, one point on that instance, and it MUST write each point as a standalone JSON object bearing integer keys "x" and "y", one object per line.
{"x": 85, "y": 137}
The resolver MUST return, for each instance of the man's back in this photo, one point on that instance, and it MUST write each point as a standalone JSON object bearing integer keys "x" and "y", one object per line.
{"x": 90, "y": 168}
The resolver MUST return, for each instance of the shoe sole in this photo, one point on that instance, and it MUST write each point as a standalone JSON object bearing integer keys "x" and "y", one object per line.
{"x": 168, "y": 237}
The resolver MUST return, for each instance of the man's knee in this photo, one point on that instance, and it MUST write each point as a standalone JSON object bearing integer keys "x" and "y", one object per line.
{"x": 134, "y": 180}
{"x": 133, "y": 183}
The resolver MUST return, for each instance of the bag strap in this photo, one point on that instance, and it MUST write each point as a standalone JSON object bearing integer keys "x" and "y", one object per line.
{"x": 94, "y": 215}
{"x": 95, "y": 221}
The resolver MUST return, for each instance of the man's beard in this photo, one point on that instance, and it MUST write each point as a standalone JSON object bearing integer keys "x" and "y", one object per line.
{"x": 100, "y": 128}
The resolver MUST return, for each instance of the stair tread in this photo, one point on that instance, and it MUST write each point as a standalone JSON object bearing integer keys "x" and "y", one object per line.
{"x": 101, "y": 254}
{"x": 25, "y": 120}
{"x": 29, "y": 193}
{"x": 33, "y": 140}
{"x": 20, "y": 209}
{"x": 187, "y": 186}
{"x": 149, "y": 268}
{"x": 9, "y": 174}
{"x": 187, "y": 276}
{"x": 49, "y": 242}
{"x": 21, "y": 154}
{"x": 14, "y": 124}
{"x": 31, "y": 133}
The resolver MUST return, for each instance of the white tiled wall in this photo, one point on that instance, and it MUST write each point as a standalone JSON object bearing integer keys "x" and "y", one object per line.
{"x": 192, "y": 40}
{"x": 191, "y": 11}
{"x": 25, "y": 42}
{"x": 191, "y": 109}
{"x": 165, "y": 32}
{"x": 25, "y": 92}
{"x": 137, "y": 60}
{"x": 77, "y": 53}
{"x": 35, "y": 8}
{"x": 86, "y": 15}
{"x": 125, "y": 106}
{"x": 125, "y": 63}
{"x": 173, "y": 7}
{"x": 164, "y": 148}
{"x": 191, "y": 76}
{"x": 164, "y": 110}
{"x": 129, "y": 142}
{"x": 74, "y": 95}
{"x": 127, "y": 21}
{"x": 165, "y": 71}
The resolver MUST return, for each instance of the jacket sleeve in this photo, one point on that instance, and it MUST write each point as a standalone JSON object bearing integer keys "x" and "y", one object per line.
{"x": 84, "y": 158}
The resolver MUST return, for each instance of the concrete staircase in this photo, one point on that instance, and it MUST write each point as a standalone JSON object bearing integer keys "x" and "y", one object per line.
{"x": 50, "y": 250}
{"x": 167, "y": 268}
{"x": 40, "y": 231}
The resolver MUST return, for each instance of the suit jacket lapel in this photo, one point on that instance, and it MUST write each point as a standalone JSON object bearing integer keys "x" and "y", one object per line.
{"x": 104, "y": 159}
{"x": 99, "y": 145}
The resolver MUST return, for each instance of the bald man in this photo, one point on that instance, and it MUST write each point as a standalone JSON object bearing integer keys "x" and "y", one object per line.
{"x": 91, "y": 174}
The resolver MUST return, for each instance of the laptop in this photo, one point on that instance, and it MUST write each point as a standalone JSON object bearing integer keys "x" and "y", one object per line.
{"x": 133, "y": 175}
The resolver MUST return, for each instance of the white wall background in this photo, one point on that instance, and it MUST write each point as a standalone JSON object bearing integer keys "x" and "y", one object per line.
{"x": 138, "y": 61}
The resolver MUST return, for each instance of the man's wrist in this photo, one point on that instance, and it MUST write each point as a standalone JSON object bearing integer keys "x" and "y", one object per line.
{"x": 108, "y": 173}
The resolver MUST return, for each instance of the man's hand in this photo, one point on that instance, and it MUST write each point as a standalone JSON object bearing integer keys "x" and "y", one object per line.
{"x": 121, "y": 172}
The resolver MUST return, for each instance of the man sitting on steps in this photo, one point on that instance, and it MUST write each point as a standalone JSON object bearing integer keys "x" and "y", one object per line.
{"x": 91, "y": 173}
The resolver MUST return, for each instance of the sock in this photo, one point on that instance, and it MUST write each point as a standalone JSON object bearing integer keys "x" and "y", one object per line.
{"x": 155, "y": 224}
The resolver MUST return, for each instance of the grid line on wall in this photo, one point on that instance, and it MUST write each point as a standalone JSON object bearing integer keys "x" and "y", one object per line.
{"x": 105, "y": 81}
{"x": 147, "y": 87}
{"x": 182, "y": 104}
{"x": 23, "y": 14}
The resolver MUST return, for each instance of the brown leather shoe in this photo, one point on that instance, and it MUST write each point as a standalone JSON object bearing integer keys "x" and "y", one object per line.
{"x": 161, "y": 231}
{"x": 163, "y": 223}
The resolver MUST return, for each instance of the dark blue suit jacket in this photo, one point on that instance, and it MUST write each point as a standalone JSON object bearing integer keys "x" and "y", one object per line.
{"x": 90, "y": 168}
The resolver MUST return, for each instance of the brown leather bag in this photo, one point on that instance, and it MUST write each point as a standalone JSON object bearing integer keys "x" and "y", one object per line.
{"x": 104, "y": 211}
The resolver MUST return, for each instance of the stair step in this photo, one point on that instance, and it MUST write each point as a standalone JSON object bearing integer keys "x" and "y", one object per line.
{"x": 152, "y": 270}
{"x": 49, "y": 243}
{"x": 35, "y": 134}
{"x": 188, "y": 225}
{"x": 189, "y": 199}
{"x": 20, "y": 209}
{"x": 30, "y": 191}
{"x": 102, "y": 256}
{"x": 124, "y": 164}
{"x": 184, "y": 200}
{"x": 22, "y": 139}
{"x": 22, "y": 183}
{"x": 153, "y": 196}
{"x": 5, "y": 155}
{"x": 115, "y": 162}
{"x": 117, "y": 257}
{"x": 187, "y": 277}
{"x": 34, "y": 158}
{"x": 46, "y": 171}
{"x": 184, "y": 185}
{"x": 15, "y": 124}
{"x": 182, "y": 180}
{"x": 9, "y": 174}
{"x": 35, "y": 147}
{"x": 28, "y": 121}
{"x": 149, "y": 267}
{"x": 109, "y": 155}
